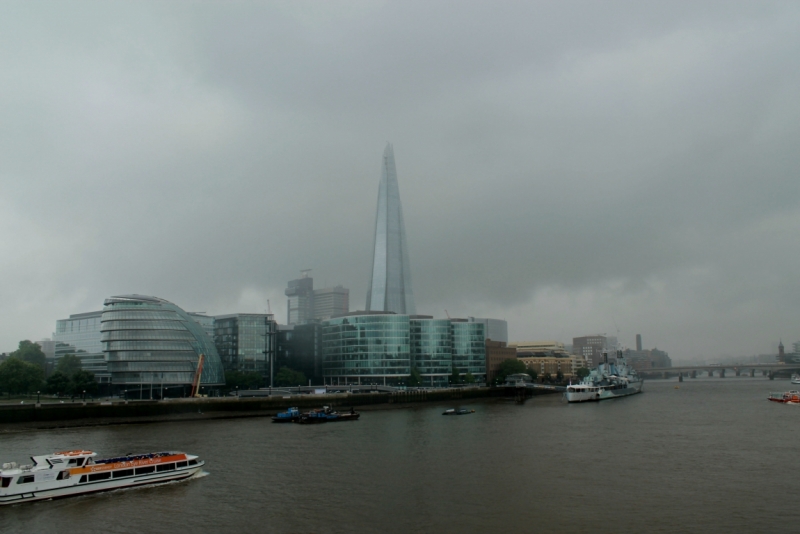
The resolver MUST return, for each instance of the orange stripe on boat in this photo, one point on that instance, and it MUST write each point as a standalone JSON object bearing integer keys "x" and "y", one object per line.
{"x": 95, "y": 468}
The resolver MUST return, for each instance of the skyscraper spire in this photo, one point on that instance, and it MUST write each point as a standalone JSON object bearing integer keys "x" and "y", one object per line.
{"x": 390, "y": 281}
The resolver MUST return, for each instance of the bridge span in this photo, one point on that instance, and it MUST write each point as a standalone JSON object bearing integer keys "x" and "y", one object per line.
{"x": 693, "y": 371}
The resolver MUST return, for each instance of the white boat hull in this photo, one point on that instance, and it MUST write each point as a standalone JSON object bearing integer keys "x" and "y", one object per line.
{"x": 583, "y": 393}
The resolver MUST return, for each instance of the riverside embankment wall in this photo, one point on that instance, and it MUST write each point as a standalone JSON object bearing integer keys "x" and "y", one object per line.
{"x": 46, "y": 412}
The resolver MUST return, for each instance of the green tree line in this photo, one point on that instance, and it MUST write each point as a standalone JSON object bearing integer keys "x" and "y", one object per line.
{"x": 23, "y": 372}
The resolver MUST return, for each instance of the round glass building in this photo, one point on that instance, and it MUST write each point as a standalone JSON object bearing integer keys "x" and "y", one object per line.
{"x": 150, "y": 342}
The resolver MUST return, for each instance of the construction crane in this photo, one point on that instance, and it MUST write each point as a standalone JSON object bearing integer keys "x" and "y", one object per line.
{"x": 197, "y": 374}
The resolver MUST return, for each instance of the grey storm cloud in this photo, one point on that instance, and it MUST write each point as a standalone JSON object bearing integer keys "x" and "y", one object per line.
{"x": 572, "y": 167}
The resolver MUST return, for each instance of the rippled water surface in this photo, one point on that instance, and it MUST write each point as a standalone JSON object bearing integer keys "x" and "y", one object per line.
{"x": 712, "y": 456}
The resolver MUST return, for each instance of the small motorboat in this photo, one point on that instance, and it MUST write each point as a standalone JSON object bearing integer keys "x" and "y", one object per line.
{"x": 457, "y": 411}
{"x": 289, "y": 416}
{"x": 795, "y": 378}
{"x": 787, "y": 397}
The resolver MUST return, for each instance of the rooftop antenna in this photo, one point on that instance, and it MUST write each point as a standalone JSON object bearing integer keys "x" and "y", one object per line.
{"x": 448, "y": 315}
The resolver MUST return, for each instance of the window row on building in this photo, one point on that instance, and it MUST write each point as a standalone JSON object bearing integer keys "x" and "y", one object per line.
{"x": 364, "y": 348}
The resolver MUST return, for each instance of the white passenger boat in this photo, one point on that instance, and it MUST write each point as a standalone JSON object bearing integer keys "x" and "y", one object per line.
{"x": 607, "y": 381}
{"x": 795, "y": 378}
{"x": 77, "y": 472}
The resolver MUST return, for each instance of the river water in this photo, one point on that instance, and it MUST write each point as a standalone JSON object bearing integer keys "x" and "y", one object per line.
{"x": 711, "y": 456}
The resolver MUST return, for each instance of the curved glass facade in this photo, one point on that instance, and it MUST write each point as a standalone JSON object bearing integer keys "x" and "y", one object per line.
{"x": 366, "y": 349}
{"x": 147, "y": 340}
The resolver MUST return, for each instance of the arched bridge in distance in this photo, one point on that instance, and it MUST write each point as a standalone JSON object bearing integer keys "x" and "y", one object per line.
{"x": 693, "y": 371}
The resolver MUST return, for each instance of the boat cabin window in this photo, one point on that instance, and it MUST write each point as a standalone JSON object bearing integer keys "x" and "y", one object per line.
{"x": 6, "y": 481}
{"x": 82, "y": 480}
{"x": 145, "y": 470}
{"x": 192, "y": 462}
{"x": 72, "y": 461}
{"x": 181, "y": 464}
{"x": 27, "y": 479}
{"x": 63, "y": 475}
{"x": 165, "y": 467}
{"x": 123, "y": 473}
{"x": 99, "y": 476}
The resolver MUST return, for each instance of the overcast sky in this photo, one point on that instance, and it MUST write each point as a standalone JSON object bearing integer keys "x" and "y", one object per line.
{"x": 571, "y": 167}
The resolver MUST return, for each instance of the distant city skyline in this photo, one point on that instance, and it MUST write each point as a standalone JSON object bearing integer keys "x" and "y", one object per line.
{"x": 572, "y": 168}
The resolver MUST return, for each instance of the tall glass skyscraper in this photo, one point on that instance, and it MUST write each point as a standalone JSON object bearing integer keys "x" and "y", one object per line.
{"x": 390, "y": 281}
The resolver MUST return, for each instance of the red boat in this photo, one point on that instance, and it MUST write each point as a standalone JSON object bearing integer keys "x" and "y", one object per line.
{"x": 787, "y": 397}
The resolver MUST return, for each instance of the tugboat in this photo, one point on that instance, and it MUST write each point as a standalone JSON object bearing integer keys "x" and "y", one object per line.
{"x": 289, "y": 416}
{"x": 607, "y": 381}
{"x": 68, "y": 473}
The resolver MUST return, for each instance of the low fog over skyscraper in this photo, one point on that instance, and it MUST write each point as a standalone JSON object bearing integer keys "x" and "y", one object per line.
{"x": 390, "y": 281}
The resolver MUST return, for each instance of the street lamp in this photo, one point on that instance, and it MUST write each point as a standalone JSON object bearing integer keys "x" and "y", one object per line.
{"x": 84, "y": 395}
{"x": 37, "y": 397}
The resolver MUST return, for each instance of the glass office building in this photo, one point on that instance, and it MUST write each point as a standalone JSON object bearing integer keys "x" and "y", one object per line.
{"x": 390, "y": 282}
{"x": 150, "y": 342}
{"x": 80, "y": 335}
{"x": 469, "y": 348}
{"x": 432, "y": 349}
{"x": 366, "y": 349}
{"x": 246, "y": 341}
{"x": 381, "y": 348}
{"x": 299, "y": 347}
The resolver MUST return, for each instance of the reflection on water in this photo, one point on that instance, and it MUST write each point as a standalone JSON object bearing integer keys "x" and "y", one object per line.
{"x": 712, "y": 456}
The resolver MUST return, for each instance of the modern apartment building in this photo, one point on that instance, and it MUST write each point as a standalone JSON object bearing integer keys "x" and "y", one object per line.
{"x": 590, "y": 347}
{"x": 382, "y": 347}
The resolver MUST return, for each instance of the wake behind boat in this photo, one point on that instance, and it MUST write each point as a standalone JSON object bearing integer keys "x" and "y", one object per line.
{"x": 607, "y": 381}
{"x": 77, "y": 472}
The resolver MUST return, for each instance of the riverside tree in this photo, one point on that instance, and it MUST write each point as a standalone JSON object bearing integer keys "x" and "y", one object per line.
{"x": 30, "y": 352}
{"x": 18, "y": 376}
{"x": 243, "y": 380}
{"x": 290, "y": 377}
{"x": 58, "y": 384}
{"x": 511, "y": 366}
{"x": 455, "y": 376}
{"x": 415, "y": 378}
{"x": 83, "y": 381}
{"x": 69, "y": 364}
